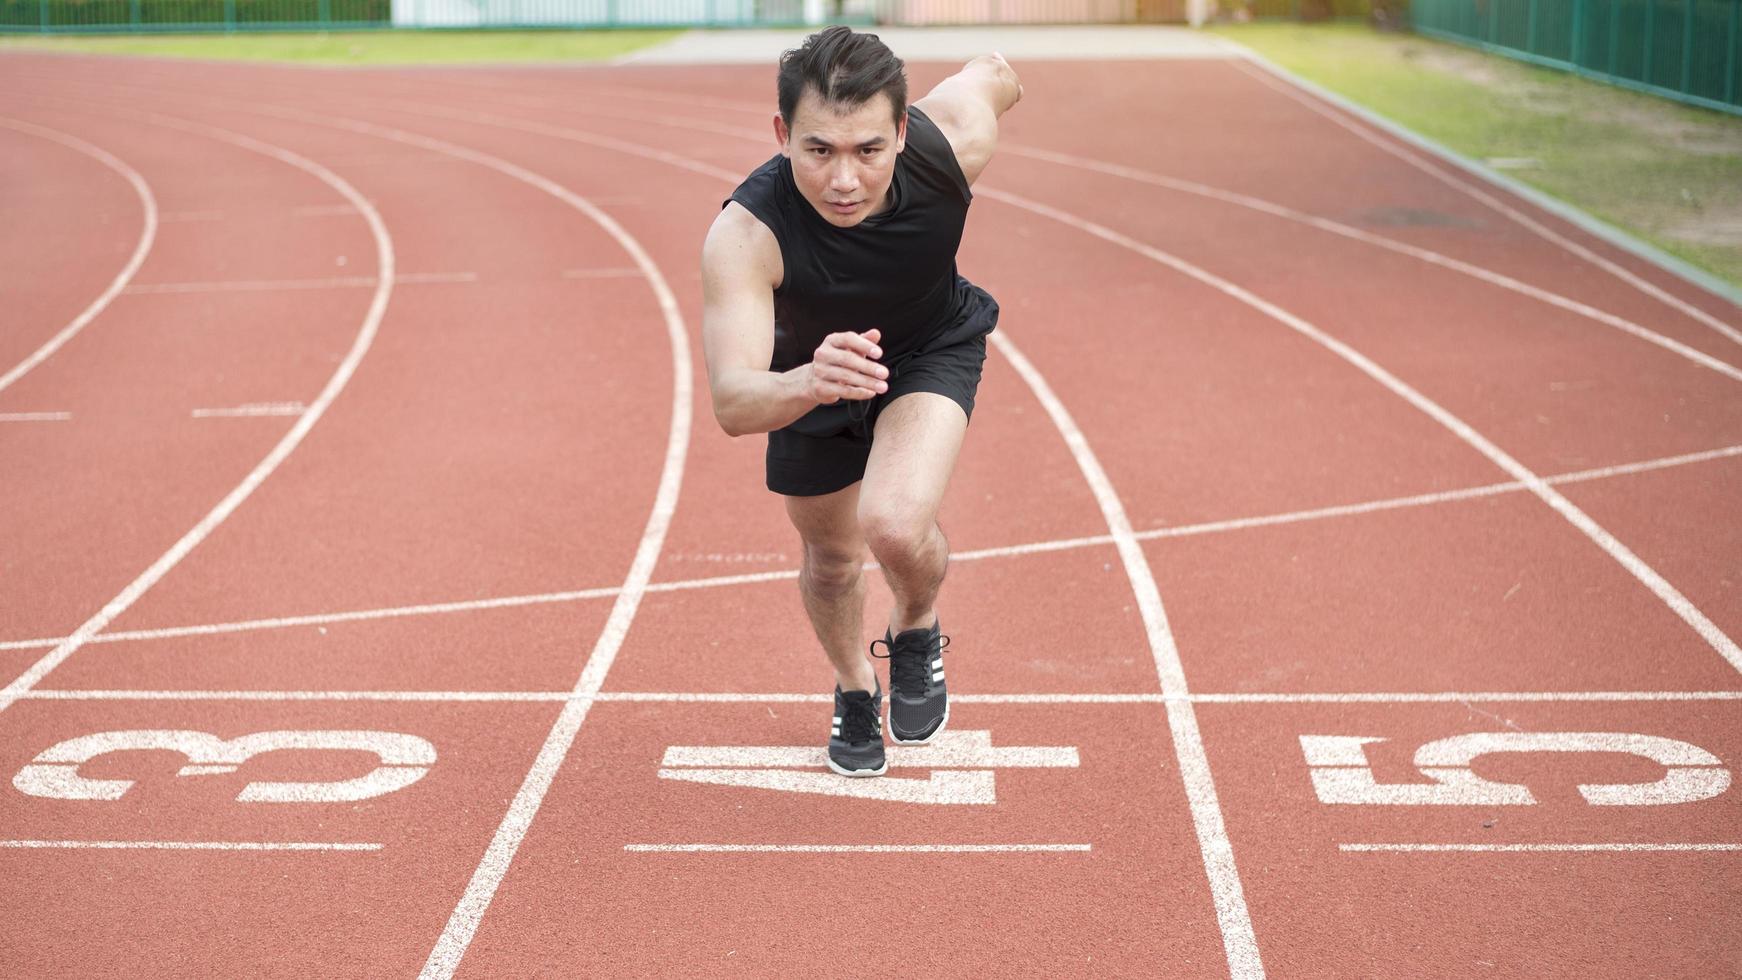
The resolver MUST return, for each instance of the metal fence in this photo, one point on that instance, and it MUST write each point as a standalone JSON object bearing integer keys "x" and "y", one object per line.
{"x": 1689, "y": 50}
{"x": 144, "y": 16}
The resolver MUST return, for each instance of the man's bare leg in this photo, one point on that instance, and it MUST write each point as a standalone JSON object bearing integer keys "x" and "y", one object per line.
{"x": 913, "y": 453}
{"x": 832, "y": 583}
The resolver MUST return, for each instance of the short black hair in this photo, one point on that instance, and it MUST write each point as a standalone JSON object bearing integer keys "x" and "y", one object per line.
{"x": 845, "y": 68}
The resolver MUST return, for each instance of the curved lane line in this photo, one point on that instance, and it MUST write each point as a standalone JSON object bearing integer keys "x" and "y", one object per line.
{"x": 1269, "y": 77}
{"x": 1294, "y": 91}
{"x": 286, "y": 445}
{"x": 1389, "y": 244}
{"x": 1261, "y": 205}
{"x": 1002, "y": 551}
{"x": 1238, "y": 940}
{"x": 1231, "y": 912}
{"x": 147, "y": 236}
{"x": 462, "y": 925}
{"x": 1678, "y": 603}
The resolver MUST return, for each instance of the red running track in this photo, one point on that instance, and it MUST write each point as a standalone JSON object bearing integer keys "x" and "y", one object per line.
{"x": 1363, "y": 456}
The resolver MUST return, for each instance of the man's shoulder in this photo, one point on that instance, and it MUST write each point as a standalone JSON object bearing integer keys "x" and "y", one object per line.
{"x": 740, "y": 245}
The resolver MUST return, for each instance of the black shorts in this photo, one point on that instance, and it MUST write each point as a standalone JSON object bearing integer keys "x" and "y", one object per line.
{"x": 825, "y": 450}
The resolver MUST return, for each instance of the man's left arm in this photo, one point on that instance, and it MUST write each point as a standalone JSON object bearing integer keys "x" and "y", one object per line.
{"x": 966, "y": 107}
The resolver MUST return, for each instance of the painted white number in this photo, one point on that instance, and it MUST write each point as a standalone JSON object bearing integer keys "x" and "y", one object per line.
{"x": 54, "y": 774}
{"x": 1341, "y": 774}
{"x": 795, "y": 769}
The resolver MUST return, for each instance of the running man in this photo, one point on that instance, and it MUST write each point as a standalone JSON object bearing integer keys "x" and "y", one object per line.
{"x": 835, "y": 322}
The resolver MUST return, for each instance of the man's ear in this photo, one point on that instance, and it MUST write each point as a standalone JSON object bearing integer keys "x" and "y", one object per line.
{"x": 901, "y": 133}
{"x": 782, "y": 135}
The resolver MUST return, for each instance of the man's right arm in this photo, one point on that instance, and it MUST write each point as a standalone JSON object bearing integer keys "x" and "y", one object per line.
{"x": 741, "y": 268}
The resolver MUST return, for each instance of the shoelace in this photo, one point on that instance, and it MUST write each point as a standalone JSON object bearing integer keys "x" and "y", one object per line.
{"x": 909, "y": 671}
{"x": 858, "y": 720}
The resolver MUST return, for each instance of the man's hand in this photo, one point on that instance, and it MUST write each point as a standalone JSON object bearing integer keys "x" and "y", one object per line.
{"x": 845, "y": 366}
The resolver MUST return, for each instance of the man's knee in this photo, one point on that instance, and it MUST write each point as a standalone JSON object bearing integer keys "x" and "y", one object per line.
{"x": 831, "y": 570}
{"x": 895, "y": 534}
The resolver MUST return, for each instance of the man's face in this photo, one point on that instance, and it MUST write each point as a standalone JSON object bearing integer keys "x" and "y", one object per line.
{"x": 842, "y": 159}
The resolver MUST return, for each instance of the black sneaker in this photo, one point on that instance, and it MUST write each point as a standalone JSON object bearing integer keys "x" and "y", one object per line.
{"x": 918, "y": 704}
{"x": 856, "y": 739}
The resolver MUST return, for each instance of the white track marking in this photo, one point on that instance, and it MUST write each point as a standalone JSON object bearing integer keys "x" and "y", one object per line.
{"x": 1549, "y": 848}
{"x": 1238, "y": 940}
{"x": 147, "y": 235}
{"x": 457, "y": 935}
{"x": 1434, "y": 258}
{"x": 1272, "y": 77}
{"x": 286, "y": 444}
{"x": 563, "y": 133}
{"x": 252, "y": 410}
{"x": 715, "y": 697}
{"x": 1679, "y": 604}
{"x": 274, "y": 285}
{"x": 1263, "y": 206}
{"x": 854, "y": 848}
{"x": 195, "y": 845}
{"x": 1038, "y": 547}
{"x": 36, "y": 416}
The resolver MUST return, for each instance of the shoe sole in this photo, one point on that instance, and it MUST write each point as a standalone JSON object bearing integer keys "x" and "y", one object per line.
{"x": 859, "y": 773}
{"x": 898, "y": 740}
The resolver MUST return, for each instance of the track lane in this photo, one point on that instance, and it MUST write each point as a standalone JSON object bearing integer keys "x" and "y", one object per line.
{"x": 67, "y": 232}
{"x": 109, "y": 490}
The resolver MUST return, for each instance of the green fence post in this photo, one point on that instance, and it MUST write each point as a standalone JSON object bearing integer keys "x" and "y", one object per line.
{"x": 1530, "y": 27}
{"x": 43, "y": 12}
{"x": 230, "y": 16}
{"x": 133, "y": 13}
{"x": 1730, "y": 55}
{"x": 1650, "y": 41}
{"x": 1614, "y": 34}
{"x": 1493, "y": 21}
{"x": 1578, "y": 32}
{"x": 326, "y": 12}
{"x": 1688, "y": 47}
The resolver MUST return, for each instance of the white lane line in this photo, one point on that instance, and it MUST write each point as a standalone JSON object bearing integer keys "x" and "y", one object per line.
{"x": 252, "y": 410}
{"x": 1238, "y": 940}
{"x": 1257, "y": 204}
{"x": 462, "y": 925}
{"x": 723, "y": 697}
{"x": 190, "y": 845}
{"x": 854, "y": 848}
{"x": 286, "y": 444}
{"x": 147, "y": 235}
{"x": 1434, "y": 258}
{"x": 563, "y": 133}
{"x": 273, "y": 285}
{"x": 1038, "y": 547}
{"x": 1660, "y": 587}
{"x": 1549, "y": 848}
{"x": 36, "y": 416}
{"x": 1297, "y": 89}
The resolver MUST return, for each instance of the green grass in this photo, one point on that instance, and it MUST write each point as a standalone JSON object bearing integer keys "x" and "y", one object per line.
{"x": 384, "y": 47}
{"x": 1669, "y": 174}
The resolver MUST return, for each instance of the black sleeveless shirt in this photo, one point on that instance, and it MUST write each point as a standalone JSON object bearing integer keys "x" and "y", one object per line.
{"x": 895, "y": 271}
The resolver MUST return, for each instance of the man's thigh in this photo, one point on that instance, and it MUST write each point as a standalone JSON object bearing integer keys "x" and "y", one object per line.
{"x": 913, "y": 453}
